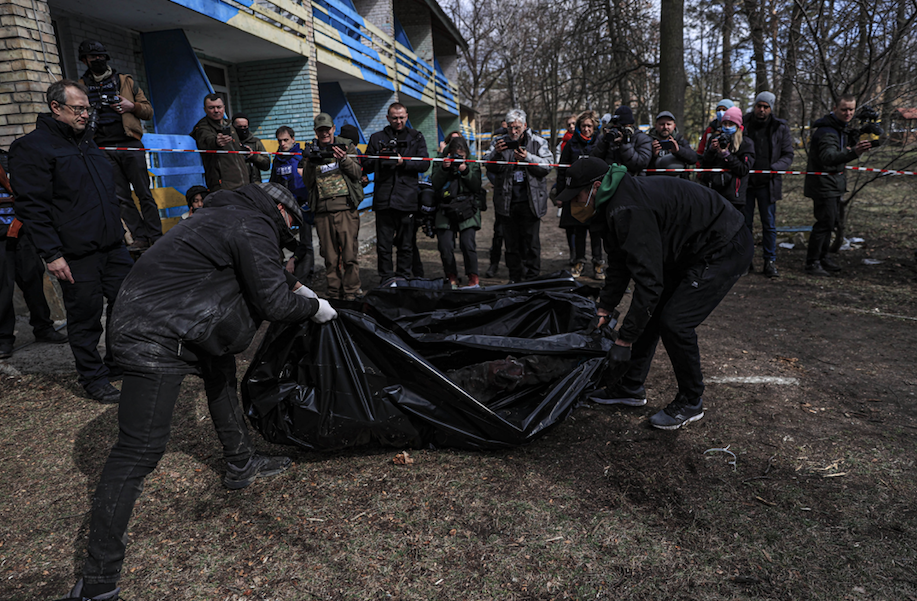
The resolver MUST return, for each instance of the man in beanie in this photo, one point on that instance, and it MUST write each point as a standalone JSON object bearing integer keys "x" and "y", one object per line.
{"x": 721, "y": 107}
{"x": 684, "y": 247}
{"x": 195, "y": 198}
{"x": 119, "y": 105}
{"x": 189, "y": 306}
{"x": 773, "y": 152}
{"x": 622, "y": 143}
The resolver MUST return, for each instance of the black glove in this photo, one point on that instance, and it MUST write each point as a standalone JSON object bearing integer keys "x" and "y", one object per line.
{"x": 618, "y": 360}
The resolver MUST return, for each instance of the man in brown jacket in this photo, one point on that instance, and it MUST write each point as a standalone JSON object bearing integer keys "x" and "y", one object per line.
{"x": 118, "y": 105}
{"x": 214, "y": 132}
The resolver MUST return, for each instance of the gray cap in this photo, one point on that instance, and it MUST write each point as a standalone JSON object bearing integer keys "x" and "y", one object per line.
{"x": 283, "y": 196}
{"x": 664, "y": 115}
{"x": 323, "y": 120}
{"x": 767, "y": 98}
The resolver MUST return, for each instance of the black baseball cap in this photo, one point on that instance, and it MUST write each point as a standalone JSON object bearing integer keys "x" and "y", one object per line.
{"x": 583, "y": 173}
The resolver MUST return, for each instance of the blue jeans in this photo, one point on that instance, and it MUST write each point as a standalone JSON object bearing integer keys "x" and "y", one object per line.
{"x": 767, "y": 209}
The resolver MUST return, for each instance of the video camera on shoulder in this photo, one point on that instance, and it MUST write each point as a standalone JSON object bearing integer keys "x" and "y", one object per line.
{"x": 868, "y": 117}
{"x": 315, "y": 153}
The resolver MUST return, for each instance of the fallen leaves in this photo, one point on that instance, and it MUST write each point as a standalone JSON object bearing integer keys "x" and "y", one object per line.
{"x": 402, "y": 458}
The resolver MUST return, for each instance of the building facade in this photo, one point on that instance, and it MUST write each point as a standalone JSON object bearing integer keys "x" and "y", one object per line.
{"x": 278, "y": 61}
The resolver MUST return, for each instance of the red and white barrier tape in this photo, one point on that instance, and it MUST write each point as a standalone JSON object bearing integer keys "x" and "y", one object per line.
{"x": 518, "y": 164}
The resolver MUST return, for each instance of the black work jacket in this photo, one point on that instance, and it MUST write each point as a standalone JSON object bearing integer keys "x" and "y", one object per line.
{"x": 658, "y": 228}
{"x": 205, "y": 286}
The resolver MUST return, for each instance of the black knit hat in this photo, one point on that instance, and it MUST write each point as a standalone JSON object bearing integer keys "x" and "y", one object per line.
{"x": 625, "y": 115}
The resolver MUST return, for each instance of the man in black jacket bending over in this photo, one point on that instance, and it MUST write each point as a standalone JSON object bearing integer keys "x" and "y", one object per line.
{"x": 684, "y": 246}
{"x": 396, "y": 189}
{"x": 195, "y": 300}
{"x": 65, "y": 196}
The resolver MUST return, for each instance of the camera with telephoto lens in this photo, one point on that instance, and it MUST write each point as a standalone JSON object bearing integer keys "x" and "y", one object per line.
{"x": 314, "y": 153}
{"x": 867, "y": 116}
{"x": 614, "y": 130}
{"x": 110, "y": 99}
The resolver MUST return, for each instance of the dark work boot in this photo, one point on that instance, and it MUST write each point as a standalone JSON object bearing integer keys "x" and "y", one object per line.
{"x": 257, "y": 467}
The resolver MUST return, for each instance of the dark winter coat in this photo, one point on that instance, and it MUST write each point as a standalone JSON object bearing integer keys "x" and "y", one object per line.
{"x": 256, "y": 162}
{"x": 828, "y": 152}
{"x": 659, "y": 228}
{"x": 221, "y": 171}
{"x": 65, "y": 192}
{"x": 732, "y": 184}
{"x": 284, "y": 172}
{"x": 781, "y": 152}
{"x": 635, "y": 154}
{"x": 206, "y": 285}
{"x": 396, "y": 187}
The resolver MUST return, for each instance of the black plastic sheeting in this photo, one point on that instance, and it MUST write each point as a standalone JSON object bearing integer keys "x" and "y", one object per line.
{"x": 470, "y": 368}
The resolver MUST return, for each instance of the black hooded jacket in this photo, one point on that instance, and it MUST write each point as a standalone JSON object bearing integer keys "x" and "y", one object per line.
{"x": 658, "y": 228}
{"x": 65, "y": 192}
{"x": 206, "y": 285}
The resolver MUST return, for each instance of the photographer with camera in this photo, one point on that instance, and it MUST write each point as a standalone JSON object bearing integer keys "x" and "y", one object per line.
{"x": 721, "y": 107}
{"x": 773, "y": 152}
{"x": 214, "y": 132}
{"x": 670, "y": 149}
{"x": 520, "y": 193}
{"x": 457, "y": 186}
{"x": 832, "y": 145}
{"x": 118, "y": 105}
{"x": 395, "y": 197}
{"x": 622, "y": 143}
{"x": 256, "y": 162}
{"x": 333, "y": 180}
{"x": 729, "y": 150}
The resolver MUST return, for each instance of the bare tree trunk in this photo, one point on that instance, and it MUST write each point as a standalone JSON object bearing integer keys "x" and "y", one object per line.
{"x": 790, "y": 68}
{"x": 672, "y": 79}
{"x": 728, "y": 26}
{"x": 755, "y": 14}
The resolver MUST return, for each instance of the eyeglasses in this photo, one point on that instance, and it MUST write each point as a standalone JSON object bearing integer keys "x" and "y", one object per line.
{"x": 78, "y": 110}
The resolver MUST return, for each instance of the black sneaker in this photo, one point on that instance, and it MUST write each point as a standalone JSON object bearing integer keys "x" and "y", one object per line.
{"x": 6, "y": 350}
{"x": 828, "y": 264}
{"x": 103, "y": 391}
{"x": 51, "y": 337}
{"x": 618, "y": 395}
{"x": 257, "y": 467}
{"x": 76, "y": 594}
{"x": 770, "y": 270}
{"x": 816, "y": 269}
{"x": 492, "y": 271}
{"x": 679, "y": 412}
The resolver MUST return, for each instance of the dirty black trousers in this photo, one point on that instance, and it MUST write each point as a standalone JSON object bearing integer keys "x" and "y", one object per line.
{"x": 394, "y": 232}
{"x": 688, "y": 298}
{"x": 97, "y": 277}
{"x": 144, "y": 423}
{"x": 522, "y": 234}
{"x": 826, "y": 215}
{"x": 446, "y": 244}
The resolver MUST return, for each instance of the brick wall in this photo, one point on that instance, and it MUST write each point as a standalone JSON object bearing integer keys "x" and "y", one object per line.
{"x": 377, "y": 12}
{"x": 370, "y": 109}
{"x": 275, "y": 93}
{"x": 424, "y": 120}
{"x": 28, "y": 50}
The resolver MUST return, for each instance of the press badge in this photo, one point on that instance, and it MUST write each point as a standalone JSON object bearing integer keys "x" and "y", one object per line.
{"x": 518, "y": 176}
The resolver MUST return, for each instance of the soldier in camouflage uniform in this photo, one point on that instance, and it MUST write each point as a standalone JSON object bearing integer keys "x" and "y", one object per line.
{"x": 335, "y": 193}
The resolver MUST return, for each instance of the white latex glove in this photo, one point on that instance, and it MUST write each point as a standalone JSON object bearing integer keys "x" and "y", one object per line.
{"x": 305, "y": 291}
{"x": 325, "y": 312}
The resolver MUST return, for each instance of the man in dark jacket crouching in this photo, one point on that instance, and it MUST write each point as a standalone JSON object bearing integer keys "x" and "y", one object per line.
{"x": 684, "y": 246}
{"x": 190, "y": 304}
